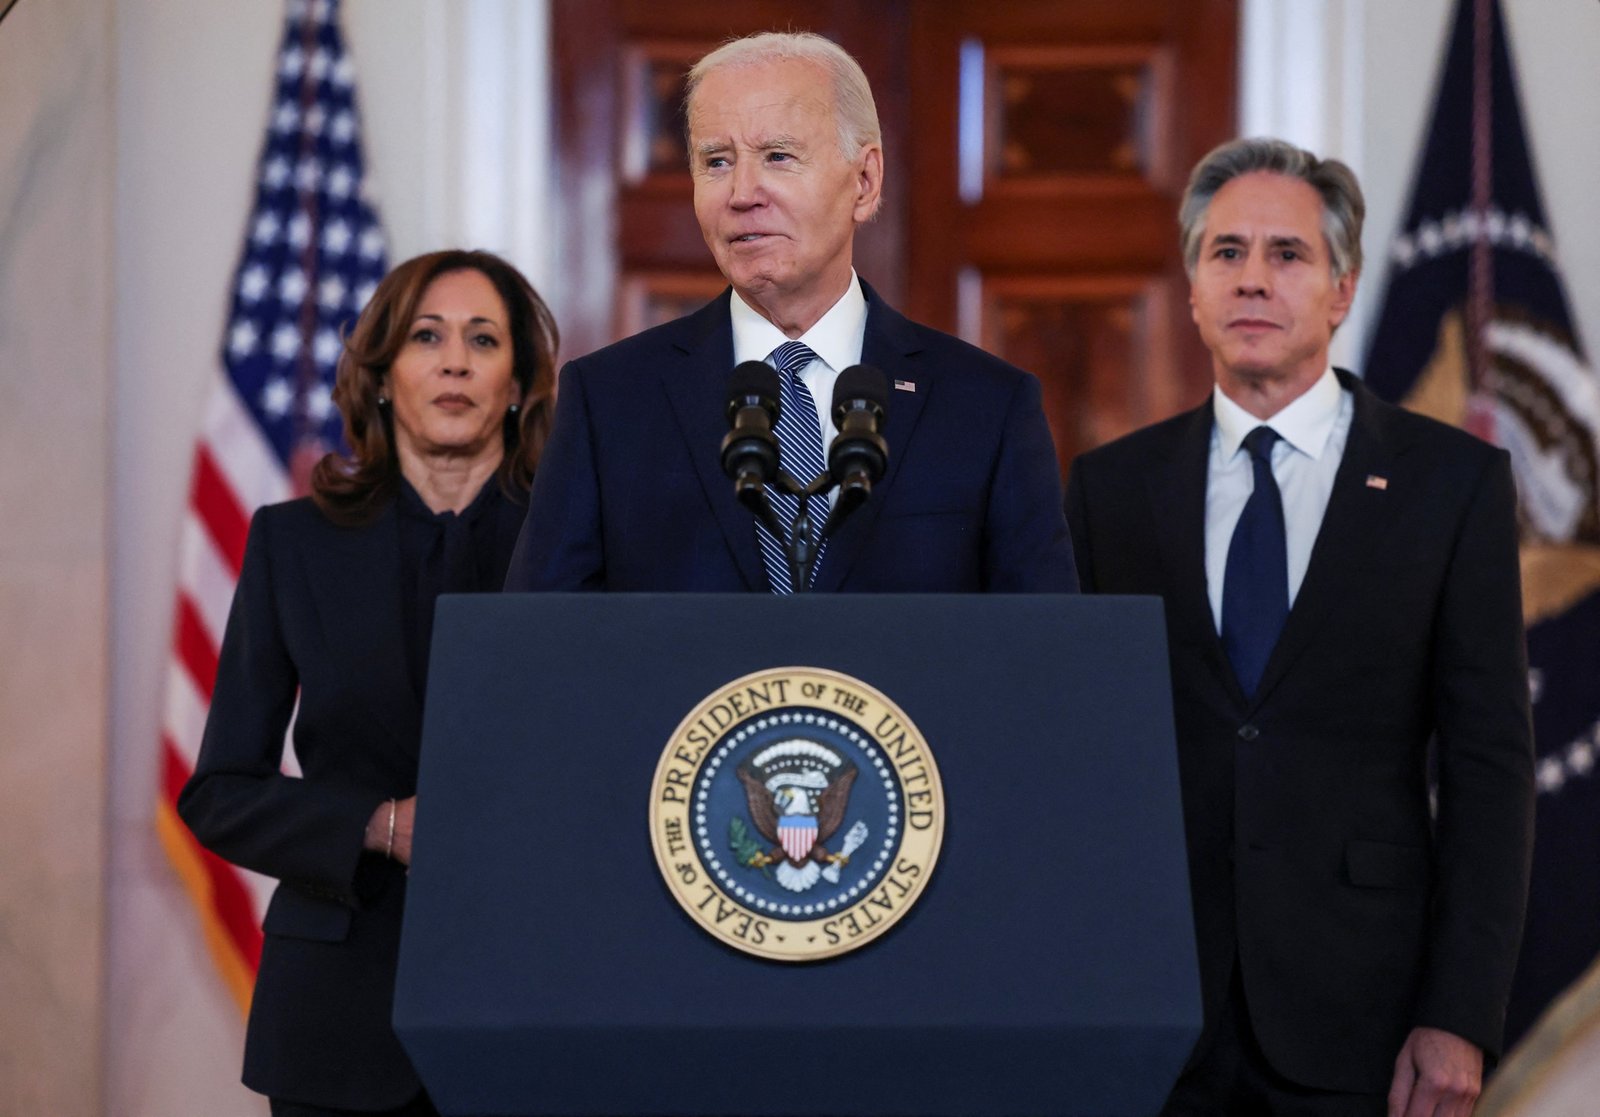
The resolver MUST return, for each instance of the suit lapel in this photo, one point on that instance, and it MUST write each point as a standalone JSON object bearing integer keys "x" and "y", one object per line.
{"x": 1356, "y": 521}
{"x": 1177, "y": 490}
{"x": 695, "y": 378}
{"x": 892, "y": 347}
{"x": 354, "y": 574}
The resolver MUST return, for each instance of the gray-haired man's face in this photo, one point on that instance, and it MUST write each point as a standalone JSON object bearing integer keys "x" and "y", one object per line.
{"x": 1263, "y": 293}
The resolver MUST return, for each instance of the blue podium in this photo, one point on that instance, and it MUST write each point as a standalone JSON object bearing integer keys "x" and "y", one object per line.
{"x": 1047, "y": 968}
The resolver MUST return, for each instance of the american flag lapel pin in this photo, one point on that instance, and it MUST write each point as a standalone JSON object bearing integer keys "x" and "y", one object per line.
{"x": 1376, "y": 482}
{"x": 905, "y": 385}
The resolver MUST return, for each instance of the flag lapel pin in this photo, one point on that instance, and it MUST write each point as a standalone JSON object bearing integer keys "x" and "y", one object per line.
{"x": 905, "y": 385}
{"x": 1376, "y": 482}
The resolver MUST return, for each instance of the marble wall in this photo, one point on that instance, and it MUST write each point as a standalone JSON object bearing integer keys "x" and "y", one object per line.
{"x": 56, "y": 166}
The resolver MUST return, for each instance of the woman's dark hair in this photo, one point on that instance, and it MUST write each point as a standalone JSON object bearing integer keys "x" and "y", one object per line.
{"x": 352, "y": 490}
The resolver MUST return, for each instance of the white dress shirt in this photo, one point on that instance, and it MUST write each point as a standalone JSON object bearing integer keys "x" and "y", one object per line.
{"x": 1312, "y": 432}
{"x": 836, "y": 339}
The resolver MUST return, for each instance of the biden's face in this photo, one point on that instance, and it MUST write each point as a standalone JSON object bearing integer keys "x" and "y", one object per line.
{"x": 1263, "y": 292}
{"x": 777, "y": 202}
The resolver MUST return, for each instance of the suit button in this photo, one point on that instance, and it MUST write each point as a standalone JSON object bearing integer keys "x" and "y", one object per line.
{"x": 1248, "y": 732}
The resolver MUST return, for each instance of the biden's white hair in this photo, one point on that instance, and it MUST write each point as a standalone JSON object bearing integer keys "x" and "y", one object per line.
{"x": 855, "y": 113}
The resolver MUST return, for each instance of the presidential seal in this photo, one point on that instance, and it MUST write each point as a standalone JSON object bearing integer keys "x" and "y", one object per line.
{"x": 796, "y": 814}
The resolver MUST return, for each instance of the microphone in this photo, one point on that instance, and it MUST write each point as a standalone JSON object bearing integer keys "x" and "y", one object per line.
{"x": 859, "y": 455}
{"x": 750, "y": 450}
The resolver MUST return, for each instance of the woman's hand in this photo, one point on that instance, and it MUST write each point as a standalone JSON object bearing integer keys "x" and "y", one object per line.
{"x": 389, "y": 829}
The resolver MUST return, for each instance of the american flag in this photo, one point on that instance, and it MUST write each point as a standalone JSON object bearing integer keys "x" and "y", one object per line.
{"x": 313, "y": 253}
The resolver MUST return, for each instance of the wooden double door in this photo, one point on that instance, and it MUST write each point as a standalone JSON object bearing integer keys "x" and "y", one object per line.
{"x": 1035, "y": 152}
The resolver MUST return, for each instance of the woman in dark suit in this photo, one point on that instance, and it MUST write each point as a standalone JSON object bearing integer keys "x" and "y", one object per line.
{"x": 445, "y": 387}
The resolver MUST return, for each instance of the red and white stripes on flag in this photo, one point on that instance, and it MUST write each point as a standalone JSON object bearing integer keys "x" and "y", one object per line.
{"x": 234, "y": 472}
{"x": 313, "y": 253}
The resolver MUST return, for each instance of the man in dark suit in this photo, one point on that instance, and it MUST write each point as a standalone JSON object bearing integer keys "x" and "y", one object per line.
{"x": 1342, "y": 597}
{"x": 787, "y": 161}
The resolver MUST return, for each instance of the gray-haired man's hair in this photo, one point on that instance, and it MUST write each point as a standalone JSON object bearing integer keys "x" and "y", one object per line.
{"x": 855, "y": 113}
{"x": 1343, "y": 208}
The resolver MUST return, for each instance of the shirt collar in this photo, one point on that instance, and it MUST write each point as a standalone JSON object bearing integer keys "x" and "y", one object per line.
{"x": 836, "y": 337}
{"x": 1305, "y": 424}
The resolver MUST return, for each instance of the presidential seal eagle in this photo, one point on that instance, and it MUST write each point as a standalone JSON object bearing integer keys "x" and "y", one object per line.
{"x": 798, "y": 792}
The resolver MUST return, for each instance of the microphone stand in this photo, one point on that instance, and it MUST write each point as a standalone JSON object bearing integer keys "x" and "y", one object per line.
{"x": 855, "y": 488}
{"x": 798, "y": 550}
{"x": 752, "y": 493}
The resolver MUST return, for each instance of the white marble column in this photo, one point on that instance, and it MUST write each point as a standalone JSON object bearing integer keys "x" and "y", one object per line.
{"x": 56, "y": 152}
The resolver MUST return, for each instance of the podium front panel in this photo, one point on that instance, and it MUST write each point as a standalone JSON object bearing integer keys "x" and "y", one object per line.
{"x": 1047, "y": 968}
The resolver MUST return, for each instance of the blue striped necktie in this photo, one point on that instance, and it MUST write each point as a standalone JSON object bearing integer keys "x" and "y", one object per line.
{"x": 1255, "y": 583}
{"x": 800, "y": 452}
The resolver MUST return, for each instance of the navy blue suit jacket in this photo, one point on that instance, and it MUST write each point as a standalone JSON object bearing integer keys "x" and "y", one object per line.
{"x": 630, "y": 493}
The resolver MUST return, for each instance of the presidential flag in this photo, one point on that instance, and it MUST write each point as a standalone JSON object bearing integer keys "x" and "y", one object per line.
{"x": 313, "y": 253}
{"x": 1475, "y": 330}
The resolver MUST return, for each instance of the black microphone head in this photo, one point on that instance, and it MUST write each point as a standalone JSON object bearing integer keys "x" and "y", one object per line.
{"x": 859, "y": 455}
{"x": 859, "y": 383}
{"x": 753, "y": 384}
{"x": 749, "y": 450}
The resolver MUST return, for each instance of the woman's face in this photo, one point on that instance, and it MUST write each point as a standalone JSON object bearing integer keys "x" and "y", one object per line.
{"x": 451, "y": 384}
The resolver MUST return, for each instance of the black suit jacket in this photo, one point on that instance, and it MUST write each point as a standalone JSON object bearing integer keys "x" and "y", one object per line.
{"x": 317, "y": 612}
{"x": 1312, "y": 856}
{"x": 631, "y": 495}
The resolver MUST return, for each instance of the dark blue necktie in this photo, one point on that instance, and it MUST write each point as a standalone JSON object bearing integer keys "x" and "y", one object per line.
{"x": 1255, "y": 586}
{"x": 800, "y": 452}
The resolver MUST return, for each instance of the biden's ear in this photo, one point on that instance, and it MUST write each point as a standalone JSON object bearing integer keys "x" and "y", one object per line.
{"x": 868, "y": 183}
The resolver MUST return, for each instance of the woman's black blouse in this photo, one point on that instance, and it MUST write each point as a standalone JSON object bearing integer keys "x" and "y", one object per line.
{"x": 449, "y": 552}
